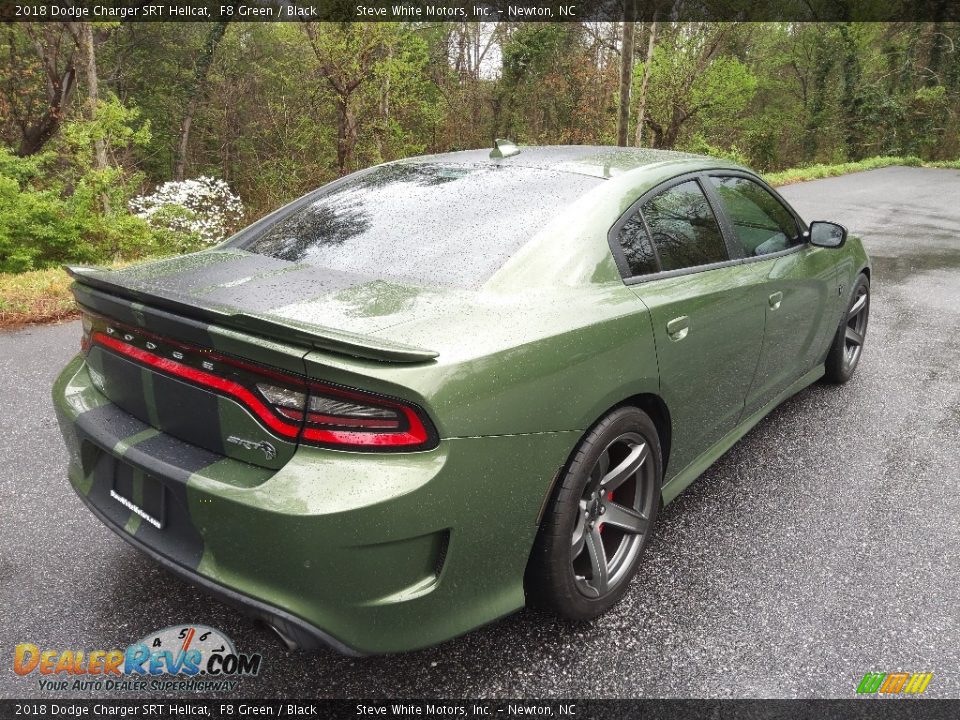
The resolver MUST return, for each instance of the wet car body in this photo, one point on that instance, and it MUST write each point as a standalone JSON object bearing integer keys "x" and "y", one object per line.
{"x": 491, "y": 362}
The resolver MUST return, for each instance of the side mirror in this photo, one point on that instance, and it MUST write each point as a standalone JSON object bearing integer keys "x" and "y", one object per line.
{"x": 827, "y": 234}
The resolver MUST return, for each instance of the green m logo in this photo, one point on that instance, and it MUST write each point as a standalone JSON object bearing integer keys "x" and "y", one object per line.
{"x": 894, "y": 683}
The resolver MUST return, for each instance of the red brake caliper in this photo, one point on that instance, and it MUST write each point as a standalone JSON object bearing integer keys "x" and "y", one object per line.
{"x": 609, "y": 499}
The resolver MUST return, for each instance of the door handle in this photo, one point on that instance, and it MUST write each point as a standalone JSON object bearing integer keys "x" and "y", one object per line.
{"x": 775, "y": 300}
{"x": 678, "y": 328}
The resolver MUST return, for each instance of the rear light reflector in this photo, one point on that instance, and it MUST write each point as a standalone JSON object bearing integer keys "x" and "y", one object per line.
{"x": 330, "y": 406}
{"x": 282, "y": 397}
{"x": 335, "y": 413}
{"x": 291, "y": 406}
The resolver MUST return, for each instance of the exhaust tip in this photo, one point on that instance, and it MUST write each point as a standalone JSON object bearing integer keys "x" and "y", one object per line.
{"x": 287, "y": 642}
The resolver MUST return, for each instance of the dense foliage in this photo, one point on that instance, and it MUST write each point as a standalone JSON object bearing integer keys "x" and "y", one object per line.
{"x": 95, "y": 119}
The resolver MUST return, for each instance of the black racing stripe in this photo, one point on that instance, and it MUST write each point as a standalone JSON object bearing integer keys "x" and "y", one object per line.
{"x": 186, "y": 411}
{"x": 160, "y": 466}
{"x": 100, "y": 302}
{"x": 262, "y": 283}
{"x": 123, "y": 480}
{"x": 176, "y": 327}
{"x": 182, "y": 410}
{"x": 104, "y": 473}
{"x": 185, "y": 278}
{"x": 202, "y": 261}
{"x": 110, "y": 424}
{"x": 122, "y": 381}
{"x": 268, "y": 292}
{"x": 178, "y": 538}
{"x": 153, "y": 320}
{"x": 184, "y": 457}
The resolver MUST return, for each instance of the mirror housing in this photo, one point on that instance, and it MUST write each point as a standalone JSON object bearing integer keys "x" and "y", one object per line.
{"x": 826, "y": 234}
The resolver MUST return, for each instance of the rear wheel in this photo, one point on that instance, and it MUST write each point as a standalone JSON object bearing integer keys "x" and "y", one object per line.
{"x": 844, "y": 355}
{"x": 600, "y": 518}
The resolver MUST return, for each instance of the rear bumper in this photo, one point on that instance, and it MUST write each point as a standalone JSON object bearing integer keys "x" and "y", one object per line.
{"x": 302, "y": 633}
{"x": 364, "y": 553}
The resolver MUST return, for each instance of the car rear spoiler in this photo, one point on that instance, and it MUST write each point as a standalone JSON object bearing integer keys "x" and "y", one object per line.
{"x": 282, "y": 329}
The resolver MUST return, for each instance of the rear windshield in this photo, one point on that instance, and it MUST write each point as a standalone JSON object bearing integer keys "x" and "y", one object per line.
{"x": 424, "y": 223}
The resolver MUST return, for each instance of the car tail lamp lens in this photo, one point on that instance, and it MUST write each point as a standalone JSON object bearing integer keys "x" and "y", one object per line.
{"x": 320, "y": 410}
{"x": 282, "y": 397}
{"x": 290, "y": 406}
{"x": 87, "y": 322}
{"x": 337, "y": 412}
{"x": 330, "y": 406}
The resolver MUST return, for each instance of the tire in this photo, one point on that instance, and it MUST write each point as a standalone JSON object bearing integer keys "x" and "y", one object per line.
{"x": 847, "y": 347}
{"x": 564, "y": 575}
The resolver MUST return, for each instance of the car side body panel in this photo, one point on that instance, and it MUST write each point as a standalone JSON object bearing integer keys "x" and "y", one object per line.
{"x": 691, "y": 472}
{"x": 802, "y": 310}
{"x": 707, "y": 366}
{"x": 557, "y": 364}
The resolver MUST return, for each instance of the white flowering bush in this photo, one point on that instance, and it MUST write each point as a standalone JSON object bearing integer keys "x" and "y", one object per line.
{"x": 195, "y": 213}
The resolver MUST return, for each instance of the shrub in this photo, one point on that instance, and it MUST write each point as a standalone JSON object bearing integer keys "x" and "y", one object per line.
{"x": 40, "y": 226}
{"x": 37, "y": 227}
{"x": 699, "y": 145}
{"x": 190, "y": 213}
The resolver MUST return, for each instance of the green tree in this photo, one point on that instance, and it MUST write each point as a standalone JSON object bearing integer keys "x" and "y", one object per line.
{"x": 350, "y": 57}
{"x": 38, "y": 80}
{"x": 695, "y": 84}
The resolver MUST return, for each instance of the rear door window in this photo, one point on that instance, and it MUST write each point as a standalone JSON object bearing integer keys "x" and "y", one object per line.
{"x": 683, "y": 228}
{"x": 637, "y": 248}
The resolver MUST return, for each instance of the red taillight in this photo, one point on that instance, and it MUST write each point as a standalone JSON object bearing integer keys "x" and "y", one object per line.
{"x": 290, "y": 406}
{"x": 337, "y": 416}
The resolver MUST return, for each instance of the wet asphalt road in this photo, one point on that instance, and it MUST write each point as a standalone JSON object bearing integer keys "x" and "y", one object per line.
{"x": 824, "y": 545}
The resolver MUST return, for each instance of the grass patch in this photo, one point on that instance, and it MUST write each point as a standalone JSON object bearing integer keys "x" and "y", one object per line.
{"x": 40, "y": 296}
{"x": 816, "y": 172}
{"x": 35, "y": 296}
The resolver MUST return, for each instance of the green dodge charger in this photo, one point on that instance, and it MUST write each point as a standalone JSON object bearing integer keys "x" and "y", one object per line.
{"x": 439, "y": 389}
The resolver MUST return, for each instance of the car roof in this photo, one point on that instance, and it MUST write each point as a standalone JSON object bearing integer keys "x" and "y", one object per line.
{"x": 601, "y": 161}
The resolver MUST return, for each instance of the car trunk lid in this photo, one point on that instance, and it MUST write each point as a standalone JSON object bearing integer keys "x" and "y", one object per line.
{"x": 185, "y": 312}
{"x": 266, "y": 297}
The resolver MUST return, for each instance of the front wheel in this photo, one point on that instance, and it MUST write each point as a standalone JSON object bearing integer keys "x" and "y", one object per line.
{"x": 600, "y": 518}
{"x": 847, "y": 347}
